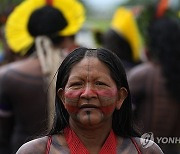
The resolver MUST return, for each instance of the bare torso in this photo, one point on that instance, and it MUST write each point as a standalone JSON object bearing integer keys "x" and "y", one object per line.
{"x": 59, "y": 146}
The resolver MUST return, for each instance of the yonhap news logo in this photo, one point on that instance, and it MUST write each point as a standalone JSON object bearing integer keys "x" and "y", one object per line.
{"x": 147, "y": 140}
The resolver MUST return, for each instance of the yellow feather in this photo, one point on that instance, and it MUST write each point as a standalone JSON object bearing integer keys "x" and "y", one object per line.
{"x": 124, "y": 23}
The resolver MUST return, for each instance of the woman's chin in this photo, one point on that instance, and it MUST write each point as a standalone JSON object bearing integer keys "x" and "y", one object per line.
{"x": 90, "y": 116}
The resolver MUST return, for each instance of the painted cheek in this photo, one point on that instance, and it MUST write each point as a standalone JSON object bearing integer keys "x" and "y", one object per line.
{"x": 71, "y": 109}
{"x": 107, "y": 97}
{"x": 107, "y": 93}
{"x": 108, "y": 109}
{"x": 72, "y": 96}
{"x": 71, "y": 100}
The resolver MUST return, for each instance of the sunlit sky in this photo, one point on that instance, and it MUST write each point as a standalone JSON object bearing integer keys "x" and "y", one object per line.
{"x": 102, "y": 8}
{"x": 102, "y": 5}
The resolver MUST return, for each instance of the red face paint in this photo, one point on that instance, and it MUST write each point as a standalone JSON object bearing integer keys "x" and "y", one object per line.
{"x": 72, "y": 96}
{"x": 105, "y": 99}
{"x": 71, "y": 109}
{"x": 108, "y": 109}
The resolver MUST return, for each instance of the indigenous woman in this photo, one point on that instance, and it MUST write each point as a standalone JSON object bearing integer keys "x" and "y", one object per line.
{"x": 93, "y": 109}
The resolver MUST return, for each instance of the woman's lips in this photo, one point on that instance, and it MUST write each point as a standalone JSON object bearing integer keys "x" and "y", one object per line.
{"x": 88, "y": 106}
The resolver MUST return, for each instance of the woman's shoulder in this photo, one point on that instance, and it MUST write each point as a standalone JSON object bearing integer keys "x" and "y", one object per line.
{"x": 137, "y": 145}
{"x": 55, "y": 143}
{"x": 141, "y": 70}
{"x": 34, "y": 146}
{"x": 147, "y": 146}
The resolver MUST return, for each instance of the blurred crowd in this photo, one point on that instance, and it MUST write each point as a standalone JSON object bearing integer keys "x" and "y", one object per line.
{"x": 36, "y": 35}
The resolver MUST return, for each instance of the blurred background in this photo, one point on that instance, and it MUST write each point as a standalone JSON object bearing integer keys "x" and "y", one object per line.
{"x": 99, "y": 14}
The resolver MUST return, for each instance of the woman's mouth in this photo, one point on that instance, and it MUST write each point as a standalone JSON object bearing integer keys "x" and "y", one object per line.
{"x": 83, "y": 106}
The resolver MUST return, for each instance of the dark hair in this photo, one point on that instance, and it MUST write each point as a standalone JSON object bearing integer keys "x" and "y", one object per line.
{"x": 120, "y": 46}
{"x": 122, "y": 121}
{"x": 163, "y": 42}
{"x": 46, "y": 20}
{"x": 117, "y": 44}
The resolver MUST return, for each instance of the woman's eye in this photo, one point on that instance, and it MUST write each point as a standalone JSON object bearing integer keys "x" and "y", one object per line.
{"x": 101, "y": 83}
{"x": 75, "y": 84}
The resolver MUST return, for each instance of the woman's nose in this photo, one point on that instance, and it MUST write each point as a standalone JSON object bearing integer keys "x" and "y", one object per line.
{"x": 88, "y": 92}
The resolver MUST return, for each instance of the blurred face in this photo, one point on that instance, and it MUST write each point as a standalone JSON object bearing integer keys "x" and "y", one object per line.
{"x": 90, "y": 95}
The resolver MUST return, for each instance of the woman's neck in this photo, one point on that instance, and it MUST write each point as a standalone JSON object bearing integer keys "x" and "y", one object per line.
{"x": 92, "y": 138}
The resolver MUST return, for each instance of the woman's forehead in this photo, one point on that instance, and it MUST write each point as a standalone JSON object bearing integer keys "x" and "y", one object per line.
{"x": 89, "y": 65}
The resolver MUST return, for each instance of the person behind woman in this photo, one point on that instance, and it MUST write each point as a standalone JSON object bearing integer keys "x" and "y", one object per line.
{"x": 155, "y": 84}
{"x": 93, "y": 108}
{"x": 123, "y": 38}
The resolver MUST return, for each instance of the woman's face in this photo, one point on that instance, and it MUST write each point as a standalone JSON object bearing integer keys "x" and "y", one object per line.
{"x": 90, "y": 95}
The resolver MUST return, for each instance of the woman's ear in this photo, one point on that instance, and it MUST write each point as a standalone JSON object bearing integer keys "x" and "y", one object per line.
{"x": 60, "y": 94}
{"x": 122, "y": 94}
